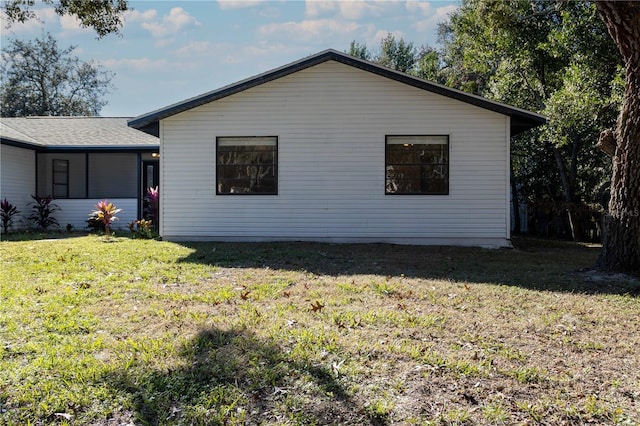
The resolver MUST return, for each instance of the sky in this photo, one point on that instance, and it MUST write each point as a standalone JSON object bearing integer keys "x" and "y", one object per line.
{"x": 170, "y": 50}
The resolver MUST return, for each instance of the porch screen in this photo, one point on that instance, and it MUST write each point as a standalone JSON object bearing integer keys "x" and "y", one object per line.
{"x": 247, "y": 165}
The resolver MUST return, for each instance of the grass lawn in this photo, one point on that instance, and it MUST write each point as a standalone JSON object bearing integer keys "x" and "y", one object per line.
{"x": 149, "y": 332}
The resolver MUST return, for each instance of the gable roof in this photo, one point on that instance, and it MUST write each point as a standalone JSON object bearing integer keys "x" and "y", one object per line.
{"x": 521, "y": 120}
{"x": 73, "y": 133}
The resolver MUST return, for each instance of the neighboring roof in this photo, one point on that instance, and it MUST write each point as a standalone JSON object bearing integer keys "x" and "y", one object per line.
{"x": 521, "y": 120}
{"x": 74, "y": 133}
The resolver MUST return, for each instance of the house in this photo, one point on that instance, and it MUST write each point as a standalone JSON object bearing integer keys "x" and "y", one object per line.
{"x": 338, "y": 149}
{"x": 79, "y": 161}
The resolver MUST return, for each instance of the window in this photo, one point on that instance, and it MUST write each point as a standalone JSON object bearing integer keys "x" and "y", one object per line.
{"x": 60, "y": 178}
{"x": 417, "y": 165}
{"x": 247, "y": 165}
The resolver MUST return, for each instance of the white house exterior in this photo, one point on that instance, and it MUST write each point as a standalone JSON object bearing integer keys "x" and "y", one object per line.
{"x": 330, "y": 123}
{"x": 17, "y": 178}
{"x": 77, "y": 160}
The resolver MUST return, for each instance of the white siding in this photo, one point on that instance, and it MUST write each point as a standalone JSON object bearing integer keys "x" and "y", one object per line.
{"x": 18, "y": 179}
{"x": 76, "y": 212}
{"x": 331, "y": 121}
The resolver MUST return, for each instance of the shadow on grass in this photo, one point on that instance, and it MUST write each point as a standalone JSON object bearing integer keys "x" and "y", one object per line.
{"x": 533, "y": 264}
{"x": 233, "y": 377}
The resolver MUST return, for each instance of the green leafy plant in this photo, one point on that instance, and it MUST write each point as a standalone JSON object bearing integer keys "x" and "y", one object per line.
{"x": 42, "y": 209}
{"x": 152, "y": 206}
{"x": 7, "y": 211}
{"x": 106, "y": 213}
{"x": 142, "y": 229}
{"x": 94, "y": 224}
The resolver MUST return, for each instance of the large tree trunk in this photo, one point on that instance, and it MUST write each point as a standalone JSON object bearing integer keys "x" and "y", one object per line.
{"x": 621, "y": 241}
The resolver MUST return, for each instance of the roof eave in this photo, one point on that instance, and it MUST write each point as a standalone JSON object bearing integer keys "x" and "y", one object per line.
{"x": 100, "y": 148}
{"x": 78, "y": 148}
{"x": 19, "y": 144}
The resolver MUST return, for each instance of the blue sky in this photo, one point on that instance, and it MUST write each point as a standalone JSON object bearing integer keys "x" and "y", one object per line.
{"x": 172, "y": 50}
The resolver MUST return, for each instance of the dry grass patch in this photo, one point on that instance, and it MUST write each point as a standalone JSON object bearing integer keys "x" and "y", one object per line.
{"x": 153, "y": 332}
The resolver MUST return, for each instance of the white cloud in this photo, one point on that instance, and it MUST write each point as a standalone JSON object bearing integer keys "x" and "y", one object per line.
{"x": 202, "y": 48}
{"x": 137, "y": 64}
{"x": 417, "y": 6}
{"x": 238, "y": 4}
{"x": 266, "y": 49}
{"x": 71, "y": 25}
{"x": 270, "y": 12}
{"x": 163, "y": 43}
{"x": 430, "y": 23}
{"x": 315, "y": 8}
{"x": 196, "y": 51}
{"x": 359, "y": 9}
{"x": 131, "y": 16}
{"x": 170, "y": 24}
{"x": 309, "y": 29}
{"x": 380, "y": 34}
{"x": 352, "y": 9}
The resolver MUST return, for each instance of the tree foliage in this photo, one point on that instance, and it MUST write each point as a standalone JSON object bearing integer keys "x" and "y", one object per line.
{"x": 359, "y": 50}
{"x": 104, "y": 16}
{"x": 397, "y": 54}
{"x": 554, "y": 58}
{"x": 392, "y": 53}
{"x": 40, "y": 79}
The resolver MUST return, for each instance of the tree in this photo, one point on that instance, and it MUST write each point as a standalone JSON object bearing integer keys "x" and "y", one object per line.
{"x": 397, "y": 54}
{"x": 104, "y": 16}
{"x": 621, "y": 245}
{"x": 554, "y": 58}
{"x": 359, "y": 50}
{"x": 428, "y": 65}
{"x": 40, "y": 79}
{"x": 400, "y": 55}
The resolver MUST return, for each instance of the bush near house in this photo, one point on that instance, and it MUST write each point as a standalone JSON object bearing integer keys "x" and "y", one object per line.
{"x": 152, "y": 206}
{"x": 142, "y": 229}
{"x": 42, "y": 209}
{"x": 106, "y": 214}
{"x": 7, "y": 212}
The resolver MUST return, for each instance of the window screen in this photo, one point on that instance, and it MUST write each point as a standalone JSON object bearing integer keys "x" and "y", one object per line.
{"x": 417, "y": 165}
{"x": 247, "y": 165}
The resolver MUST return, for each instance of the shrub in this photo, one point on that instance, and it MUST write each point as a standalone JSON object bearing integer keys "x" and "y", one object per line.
{"x": 7, "y": 211}
{"x": 106, "y": 213}
{"x": 142, "y": 229}
{"x": 42, "y": 209}
{"x": 152, "y": 206}
{"x": 94, "y": 224}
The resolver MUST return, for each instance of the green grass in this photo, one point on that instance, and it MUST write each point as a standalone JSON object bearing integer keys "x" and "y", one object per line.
{"x": 150, "y": 332}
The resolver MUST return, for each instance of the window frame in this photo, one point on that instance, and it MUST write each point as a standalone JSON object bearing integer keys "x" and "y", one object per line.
{"x": 447, "y": 164}
{"x": 55, "y": 172}
{"x": 275, "y": 165}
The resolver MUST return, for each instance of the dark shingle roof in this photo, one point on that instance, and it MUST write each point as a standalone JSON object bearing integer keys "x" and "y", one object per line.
{"x": 521, "y": 120}
{"x": 80, "y": 133}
